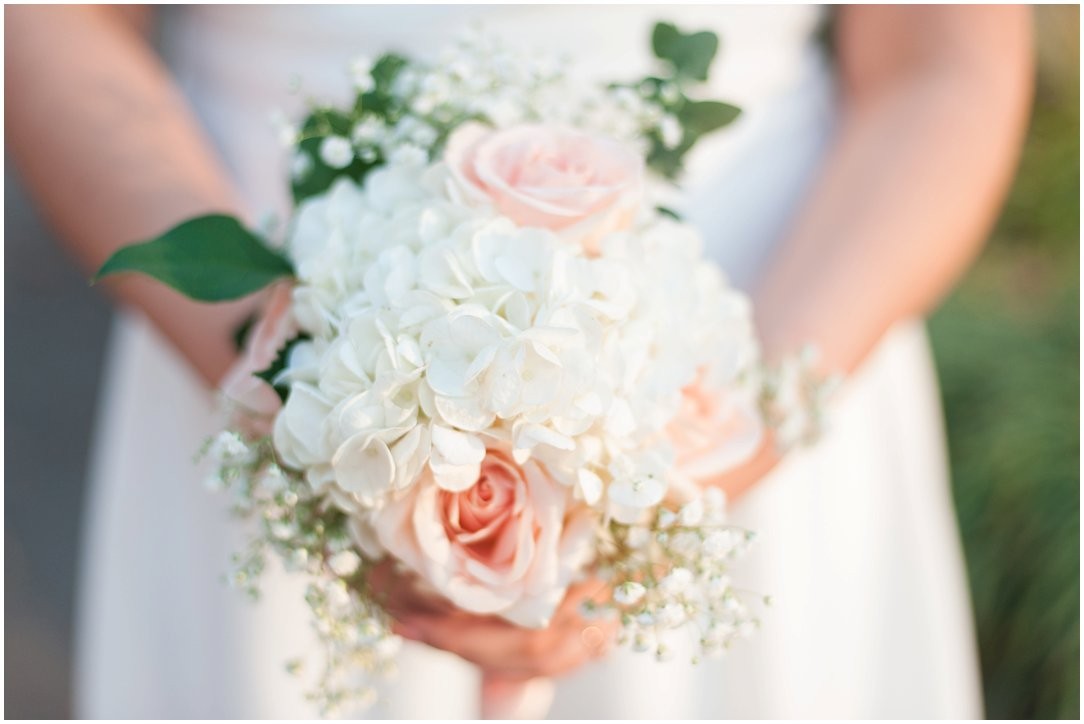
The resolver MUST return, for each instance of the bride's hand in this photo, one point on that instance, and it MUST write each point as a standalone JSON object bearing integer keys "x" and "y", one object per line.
{"x": 495, "y": 645}
{"x": 511, "y": 651}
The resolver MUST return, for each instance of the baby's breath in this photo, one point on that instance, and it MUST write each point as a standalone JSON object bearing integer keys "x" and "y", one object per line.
{"x": 311, "y": 538}
{"x": 677, "y": 582}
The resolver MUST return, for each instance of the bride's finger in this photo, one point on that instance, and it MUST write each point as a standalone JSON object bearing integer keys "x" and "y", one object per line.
{"x": 501, "y": 646}
{"x": 400, "y": 595}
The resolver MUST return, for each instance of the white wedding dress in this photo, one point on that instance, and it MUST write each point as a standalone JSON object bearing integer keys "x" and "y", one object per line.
{"x": 857, "y": 540}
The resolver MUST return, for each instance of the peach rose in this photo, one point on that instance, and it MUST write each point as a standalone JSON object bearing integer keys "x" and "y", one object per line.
{"x": 509, "y": 545}
{"x": 254, "y": 396}
{"x": 579, "y": 185}
{"x": 712, "y": 433}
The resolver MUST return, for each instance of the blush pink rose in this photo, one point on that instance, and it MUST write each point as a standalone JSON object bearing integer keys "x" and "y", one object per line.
{"x": 713, "y": 433}
{"x": 577, "y": 184}
{"x": 257, "y": 401}
{"x": 509, "y": 545}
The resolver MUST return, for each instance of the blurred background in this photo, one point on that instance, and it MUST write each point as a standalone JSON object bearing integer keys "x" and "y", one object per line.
{"x": 1007, "y": 345}
{"x": 1007, "y": 349}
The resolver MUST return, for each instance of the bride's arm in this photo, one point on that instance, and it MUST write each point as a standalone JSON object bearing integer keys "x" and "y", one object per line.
{"x": 935, "y": 103}
{"x": 112, "y": 155}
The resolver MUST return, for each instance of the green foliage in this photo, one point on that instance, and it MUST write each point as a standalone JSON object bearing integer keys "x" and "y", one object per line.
{"x": 701, "y": 117}
{"x": 1007, "y": 350}
{"x": 689, "y": 57}
{"x": 320, "y": 124}
{"x": 386, "y": 69}
{"x": 690, "y": 54}
{"x": 377, "y": 103}
{"x": 697, "y": 118}
{"x": 270, "y": 375}
{"x": 667, "y": 211}
{"x": 209, "y": 258}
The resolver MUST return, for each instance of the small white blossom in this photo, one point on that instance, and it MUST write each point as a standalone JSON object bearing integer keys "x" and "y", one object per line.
{"x": 273, "y": 478}
{"x": 677, "y": 581}
{"x": 300, "y": 166}
{"x": 629, "y": 593}
{"x": 685, "y": 542}
{"x": 370, "y": 131}
{"x": 670, "y": 131}
{"x": 718, "y": 543}
{"x": 344, "y": 563}
{"x": 692, "y": 513}
{"x": 361, "y": 73}
{"x": 228, "y": 446}
{"x": 718, "y": 586}
{"x": 336, "y": 151}
{"x": 283, "y": 530}
{"x": 667, "y": 518}
{"x": 672, "y": 615}
{"x": 298, "y": 558}
{"x": 409, "y": 154}
{"x": 714, "y": 506}
{"x": 643, "y": 641}
{"x": 338, "y": 595}
{"x": 213, "y": 481}
{"x": 637, "y": 536}
{"x": 285, "y": 132}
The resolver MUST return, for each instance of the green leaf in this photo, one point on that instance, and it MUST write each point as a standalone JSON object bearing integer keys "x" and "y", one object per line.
{"x": 386, "y": 69}
{"x": 667, "y": 211}
{"x": 209, "y": 258}
{"x": 690, "y": 54}
{"x": 379, "y": 100}
{"x": 665, "y": 161}
{"x": 700, "y": 117}
{"x": 271, "y": 374}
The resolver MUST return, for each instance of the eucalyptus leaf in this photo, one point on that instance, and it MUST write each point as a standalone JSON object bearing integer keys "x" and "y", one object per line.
{"x": 700, "y": 117}
{"x": 209, "y": 258}
{"x": 665, "y": 161}
{"x": 690, "y": 53}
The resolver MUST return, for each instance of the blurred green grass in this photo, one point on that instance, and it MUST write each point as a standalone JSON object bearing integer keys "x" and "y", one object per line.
{"x": 1007, "y": 349}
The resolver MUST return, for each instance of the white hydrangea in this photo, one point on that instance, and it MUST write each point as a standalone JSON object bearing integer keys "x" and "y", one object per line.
{"x": 438, "y": 327}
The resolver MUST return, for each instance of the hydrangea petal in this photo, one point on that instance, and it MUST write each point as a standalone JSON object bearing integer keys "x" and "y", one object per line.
{"x": 364, "y": 466}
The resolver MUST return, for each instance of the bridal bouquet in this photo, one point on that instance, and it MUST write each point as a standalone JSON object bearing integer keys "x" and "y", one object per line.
{"x": 490, "y": 355}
